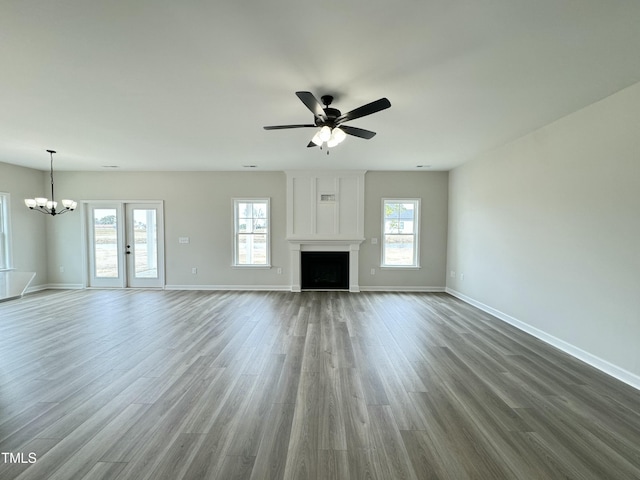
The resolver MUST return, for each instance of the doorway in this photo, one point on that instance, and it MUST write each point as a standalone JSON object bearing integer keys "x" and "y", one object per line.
{"x": 125, "y": 244}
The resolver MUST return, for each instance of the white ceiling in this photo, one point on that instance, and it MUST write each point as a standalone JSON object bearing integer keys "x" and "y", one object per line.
{"x": 188, "y": 85}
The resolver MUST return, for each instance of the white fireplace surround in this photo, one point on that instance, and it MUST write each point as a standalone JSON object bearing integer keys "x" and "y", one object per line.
{"x": 352, "y": 246}
{"x": 325, "y": 213}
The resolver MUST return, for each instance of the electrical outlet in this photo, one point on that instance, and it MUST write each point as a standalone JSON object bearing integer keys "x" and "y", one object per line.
{"x": 61, "y": 269}
{"x": 462, "y": 276}
{"x": 183, "y": 239}
{"x": 452, "y": 274}
{"x": 194, "y": 270}
{"x": 374, "y": 241}
{"x": 279, "y": 271}
{"x": 373, "y": 271}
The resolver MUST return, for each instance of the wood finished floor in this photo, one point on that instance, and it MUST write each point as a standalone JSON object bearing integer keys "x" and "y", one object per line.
{"x": 135, "y": 385}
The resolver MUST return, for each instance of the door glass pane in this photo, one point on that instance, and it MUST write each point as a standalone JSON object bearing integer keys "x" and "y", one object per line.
{"x": 105, "y": 242}
{"x": 145, "y": 245}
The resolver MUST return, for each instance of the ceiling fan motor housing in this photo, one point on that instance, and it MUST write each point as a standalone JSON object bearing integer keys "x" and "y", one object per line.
{"x": 331, "y": 113}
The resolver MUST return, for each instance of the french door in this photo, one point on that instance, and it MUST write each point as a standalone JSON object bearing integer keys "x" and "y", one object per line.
{"x": 125, "y": 244}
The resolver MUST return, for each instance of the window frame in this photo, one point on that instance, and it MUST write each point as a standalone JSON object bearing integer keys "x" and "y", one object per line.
{"x": 416, "y": 233}
{"x": 236, "y": 251}
{"x": 5, "y": 232}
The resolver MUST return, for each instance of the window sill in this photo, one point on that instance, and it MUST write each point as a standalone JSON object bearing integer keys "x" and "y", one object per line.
{"x": 252, "y": 267}
{"x": 400, "y": 267}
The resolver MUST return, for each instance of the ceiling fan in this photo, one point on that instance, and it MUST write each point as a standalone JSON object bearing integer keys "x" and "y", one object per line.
{"x": 330, "y": 120}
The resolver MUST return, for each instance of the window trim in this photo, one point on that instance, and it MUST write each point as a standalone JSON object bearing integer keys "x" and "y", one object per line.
{"x": 416, "y": 233}
{"x": 5, "y": 218}
{"x": 235, "y": 203}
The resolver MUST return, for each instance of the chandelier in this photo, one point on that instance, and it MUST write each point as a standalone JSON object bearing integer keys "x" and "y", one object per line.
{"x": 46, "y": 206}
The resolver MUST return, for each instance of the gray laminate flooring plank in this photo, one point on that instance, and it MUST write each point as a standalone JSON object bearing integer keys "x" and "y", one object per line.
{"x": 353, "y": 404}
{"x": 270, "y": 460}
{"x": 390, "y": 450}
{"x": 333, "y": 465}
{"x": 302, "y": 454}
{"x": 249, "y": 429}
{"x": 104, "y": 471}
{"x": 331, "y": 416}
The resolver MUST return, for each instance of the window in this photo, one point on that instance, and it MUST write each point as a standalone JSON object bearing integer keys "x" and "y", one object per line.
{"x": 251, "y": 232}
{"x": 5, "y": 237}
{"x": 400, "y": 232}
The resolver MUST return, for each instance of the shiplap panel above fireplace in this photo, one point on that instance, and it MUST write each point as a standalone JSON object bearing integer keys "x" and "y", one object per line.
{"x": 325, "y": 205}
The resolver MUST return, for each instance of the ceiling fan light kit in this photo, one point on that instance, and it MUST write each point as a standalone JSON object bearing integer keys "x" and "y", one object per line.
{"x": 323, "y": 135}
{"x": 330, "y": 120}
{"x": 337, "y": 136}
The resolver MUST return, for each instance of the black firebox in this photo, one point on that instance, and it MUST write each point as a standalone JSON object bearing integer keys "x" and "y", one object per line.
{"x": 324, "y": 270}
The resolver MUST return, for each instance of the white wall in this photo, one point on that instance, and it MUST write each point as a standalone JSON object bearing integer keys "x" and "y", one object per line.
{"x": 432, "y": 188}
{"x": 546, "y": 230}
{"x": 197, "y": 205}
{"x": 29, "y": 237}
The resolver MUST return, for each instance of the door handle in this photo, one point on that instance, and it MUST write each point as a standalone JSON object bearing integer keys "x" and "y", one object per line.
{"x": 128, "y": 252}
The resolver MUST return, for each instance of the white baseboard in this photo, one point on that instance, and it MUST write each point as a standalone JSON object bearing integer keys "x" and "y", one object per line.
{"x": 376, "y": 288}
{"x": 288, "y": 288}
{"x": 597, "y": 362}
{"x": 55, "y": 286}
{"x": 263, "y": 288}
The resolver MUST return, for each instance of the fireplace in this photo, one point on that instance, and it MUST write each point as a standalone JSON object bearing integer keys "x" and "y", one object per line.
{"x": 325, "y": 215}
{"x": 324, "y": 270}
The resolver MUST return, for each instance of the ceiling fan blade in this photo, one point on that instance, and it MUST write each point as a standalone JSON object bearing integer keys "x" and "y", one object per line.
{"x": 311, "y": 144}
{"x": 364, "y": 110}
{"x": 357, "y": 132}
{"x": 312, "y": 104}
{"x": 282, "y": 127}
